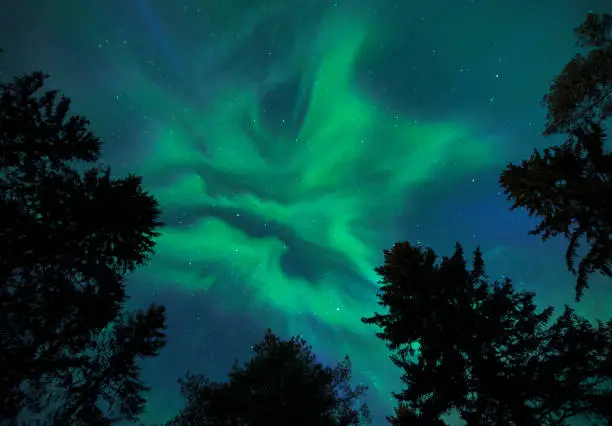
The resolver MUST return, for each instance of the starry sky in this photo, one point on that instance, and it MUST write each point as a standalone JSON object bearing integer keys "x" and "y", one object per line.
{"x": 290, "y": 142}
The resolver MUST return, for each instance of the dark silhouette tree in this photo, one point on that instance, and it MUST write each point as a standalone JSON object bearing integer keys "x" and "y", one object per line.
{"x": 484, "y": 349}
{"x": 282, "y": 384}
{"x": 569, "y": 186}
{"x": 69, "y": 233}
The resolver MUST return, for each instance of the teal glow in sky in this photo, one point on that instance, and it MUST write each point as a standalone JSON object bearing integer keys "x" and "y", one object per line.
{"x": 289, "y": 143}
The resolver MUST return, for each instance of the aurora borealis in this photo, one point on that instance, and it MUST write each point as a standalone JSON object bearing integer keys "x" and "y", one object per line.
{"x": 290, "y": 142}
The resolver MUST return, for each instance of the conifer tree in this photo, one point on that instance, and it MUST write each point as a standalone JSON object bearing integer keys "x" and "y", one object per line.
{"x": 569, "y": 186}
{"x": 484, "y": 349}
{"x": 69, "y": 234}
{"x": 282, "y": 384}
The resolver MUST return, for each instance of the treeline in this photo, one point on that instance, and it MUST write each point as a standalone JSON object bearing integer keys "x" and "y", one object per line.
{"x": 463, "y": 342}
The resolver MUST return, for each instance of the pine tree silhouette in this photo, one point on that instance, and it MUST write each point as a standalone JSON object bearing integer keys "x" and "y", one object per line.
{"x": 569, "y": 186}
{"x": 484, "y": 349}
{"x": 282, "y": 384}
{"x": 69, "y": 233}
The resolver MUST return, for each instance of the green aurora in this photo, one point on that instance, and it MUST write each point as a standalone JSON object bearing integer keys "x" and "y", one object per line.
{"x": 313, "y": 176}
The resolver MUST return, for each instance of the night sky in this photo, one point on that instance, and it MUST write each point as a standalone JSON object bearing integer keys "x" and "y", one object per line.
{"x": 289, "y": 142}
